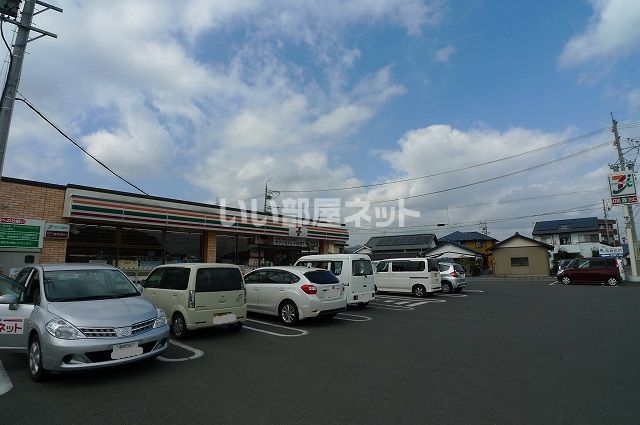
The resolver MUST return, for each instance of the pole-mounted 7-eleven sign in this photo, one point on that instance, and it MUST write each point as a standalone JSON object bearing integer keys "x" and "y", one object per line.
{"x": 623, "y": 188}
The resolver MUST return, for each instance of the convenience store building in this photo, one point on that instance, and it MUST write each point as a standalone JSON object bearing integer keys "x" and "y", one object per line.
{"x": 48, "y": 223}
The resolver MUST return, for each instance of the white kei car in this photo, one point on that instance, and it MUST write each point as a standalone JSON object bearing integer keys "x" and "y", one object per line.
{"x": 294, "y": 293}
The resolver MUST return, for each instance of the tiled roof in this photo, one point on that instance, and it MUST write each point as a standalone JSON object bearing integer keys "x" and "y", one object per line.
{"x": 405, "y": 242}
{"x": 587, "y": 224}
{"x": 466, "y": 236}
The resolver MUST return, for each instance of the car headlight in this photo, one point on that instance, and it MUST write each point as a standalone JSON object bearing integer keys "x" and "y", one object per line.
{"x": 62, "y": 329}
{"x": 161, "y": 319}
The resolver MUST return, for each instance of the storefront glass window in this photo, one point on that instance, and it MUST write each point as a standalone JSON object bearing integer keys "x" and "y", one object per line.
{"x": 248, "y": 252}
{"x": 91, "y": 254}
{"x": 183, "y": 247}
{"x": 225, "y": 249}
{"x": 92, "y": 234}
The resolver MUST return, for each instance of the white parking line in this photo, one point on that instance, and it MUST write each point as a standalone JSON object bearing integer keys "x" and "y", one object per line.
{"x": 402, "y": 302}
{"x": 354, "y": 317}
{"x": 552, "y": 283}
{"x": 425, "y": 302}
{"x": 196, "y": 353}
{"x": 389, "y": 307}
{"x": 473, "y": 290}
{"x": 5, "y": 381}
{"x": 453, "y": 295}
{"x": 388, "y": 301}
{"x": 301, "y": 332}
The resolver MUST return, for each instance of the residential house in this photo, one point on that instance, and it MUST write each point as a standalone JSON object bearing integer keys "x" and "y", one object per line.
{"x": 579, "y": 236}
{"x": 521, "y": 256}
{"x": 476, "y": 241}
{"x": 398, "y": 246}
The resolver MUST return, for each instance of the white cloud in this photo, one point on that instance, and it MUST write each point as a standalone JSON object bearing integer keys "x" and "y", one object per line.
{"x": 444, "y": 55}
{"x": 613, "y": 32}
{"x": 439, "y": 148}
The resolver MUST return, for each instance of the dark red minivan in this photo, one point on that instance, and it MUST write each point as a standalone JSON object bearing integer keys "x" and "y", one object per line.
{"x": 591, "y": 270}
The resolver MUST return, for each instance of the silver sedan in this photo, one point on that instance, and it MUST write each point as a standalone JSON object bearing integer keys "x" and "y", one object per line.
{"x": 78, "y": 316}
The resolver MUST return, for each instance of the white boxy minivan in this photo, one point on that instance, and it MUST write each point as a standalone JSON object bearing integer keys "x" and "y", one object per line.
{"x": 418, "y": 275}
{"x": 198, "y": 295}
{"x": 354, "y": 271}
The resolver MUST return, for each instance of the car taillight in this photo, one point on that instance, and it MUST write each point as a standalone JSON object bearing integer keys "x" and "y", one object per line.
{"x": 309, "y": 289}
{"x": 192, "y": 299}
{"x": 454, "y": 274}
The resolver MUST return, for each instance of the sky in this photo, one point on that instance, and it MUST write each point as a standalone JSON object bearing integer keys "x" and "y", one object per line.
{"x": 504, "y": 106}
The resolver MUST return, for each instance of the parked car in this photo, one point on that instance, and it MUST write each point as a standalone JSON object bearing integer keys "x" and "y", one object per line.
{"x": 591, "y": 270}
{"x": 69, "y": 317}
{"x": 562, "y": 264}
{"x": 418, "y": 275}
{"x": 452, "y": 276}
{"x": 294, "y": 293}
{"x": 354, "y": 271}
{"x": 198, "y": 295}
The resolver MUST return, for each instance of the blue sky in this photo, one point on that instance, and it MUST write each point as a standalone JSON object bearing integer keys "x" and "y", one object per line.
{"x": 207, "y": 99}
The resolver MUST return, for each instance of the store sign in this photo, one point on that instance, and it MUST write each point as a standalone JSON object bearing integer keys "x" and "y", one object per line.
{"x": 298, "y": 231}
{"x": 623, "y": 188}
{"x": 284, "y": 241}
{"x": 611, "y": 251}
{"x": 56, "y": 231}
{"x": 21, "y": 233}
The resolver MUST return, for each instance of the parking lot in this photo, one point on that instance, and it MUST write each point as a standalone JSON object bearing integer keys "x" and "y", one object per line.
{"x": 503, "y": 351}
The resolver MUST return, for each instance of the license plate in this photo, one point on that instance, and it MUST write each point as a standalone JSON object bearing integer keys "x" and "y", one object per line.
{"x": 122, "y": 351}
{"x": 224, "y": 318}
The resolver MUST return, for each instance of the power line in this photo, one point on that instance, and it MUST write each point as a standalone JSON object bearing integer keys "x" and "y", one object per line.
{"x": 26, "y": 102}
{"x": 583, "y": 136}
{"x": 396, "y": 229}
{"x": 513, "y": 173}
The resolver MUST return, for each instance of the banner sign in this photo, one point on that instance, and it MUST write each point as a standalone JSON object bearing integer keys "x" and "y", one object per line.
{"x": 11, "y": 325}
{"x": 21, "y": 233}
{"x": 283, "y": 241}
{"x": 611, "y": 251}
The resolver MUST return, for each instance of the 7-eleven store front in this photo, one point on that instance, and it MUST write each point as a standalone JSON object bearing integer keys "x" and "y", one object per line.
{"x": 137, "y": 233}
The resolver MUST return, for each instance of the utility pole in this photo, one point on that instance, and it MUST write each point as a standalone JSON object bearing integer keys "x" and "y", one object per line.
{"x": 16, "y": 59}
{"x": 626, "y": 212}
{"x": 606, "y": 222}
{"x": 269, "y": 195}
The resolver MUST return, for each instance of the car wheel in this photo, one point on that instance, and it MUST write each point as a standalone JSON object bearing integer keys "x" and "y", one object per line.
{"x": 446, "y": 288}
{"x": 235, "y": 327}
{"x": 419, "y": 291}
{"x": 36, "y": 370}
{"x": 566, "y": 280}
{"x": 288, "y": 313}
{"x": 457, "y": 290}
{"x": 178, "y": 326}
{"x": 612, "y": 281}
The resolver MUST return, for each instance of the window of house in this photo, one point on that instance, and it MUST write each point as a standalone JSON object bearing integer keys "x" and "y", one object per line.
{"x": 546, "y": 239}
{"x": 565, "y": 239}
{"x": 479, "y": 244}
{"x": 590, "y": 238}
{"x": 519, "y": 261}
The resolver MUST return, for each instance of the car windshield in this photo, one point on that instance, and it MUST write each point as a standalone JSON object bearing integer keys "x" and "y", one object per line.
{"x": 84, "y": 285}
{"x": 9, "y": 286}
{"x": 322, "y": 277}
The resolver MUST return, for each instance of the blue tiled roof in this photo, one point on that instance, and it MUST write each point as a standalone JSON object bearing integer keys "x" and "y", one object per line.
{"x": 466, "y": 236}
{"x": 565, "y": 226}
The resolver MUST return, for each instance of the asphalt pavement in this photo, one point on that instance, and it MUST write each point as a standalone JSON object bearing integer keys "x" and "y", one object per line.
{"x": 504, "y": 352}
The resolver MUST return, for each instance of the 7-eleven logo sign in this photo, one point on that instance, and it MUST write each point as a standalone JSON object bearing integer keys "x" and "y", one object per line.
{"x": 298, "y": 231}
{"x": 622, "y": 184}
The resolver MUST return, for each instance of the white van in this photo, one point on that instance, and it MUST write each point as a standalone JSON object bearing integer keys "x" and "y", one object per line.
{"x": 354, "y": 271}
{"x": 418, "y": 275}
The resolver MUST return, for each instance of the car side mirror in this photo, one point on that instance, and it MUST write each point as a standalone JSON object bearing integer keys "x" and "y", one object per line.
{"x": 11, "y": 299}
{"x": 140, "y": 288}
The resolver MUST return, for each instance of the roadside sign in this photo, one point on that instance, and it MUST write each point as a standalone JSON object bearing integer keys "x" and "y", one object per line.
{"x": 623, "y": 188}
{"x": 21, "y": 233}
{"x": 611, "y": 251}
